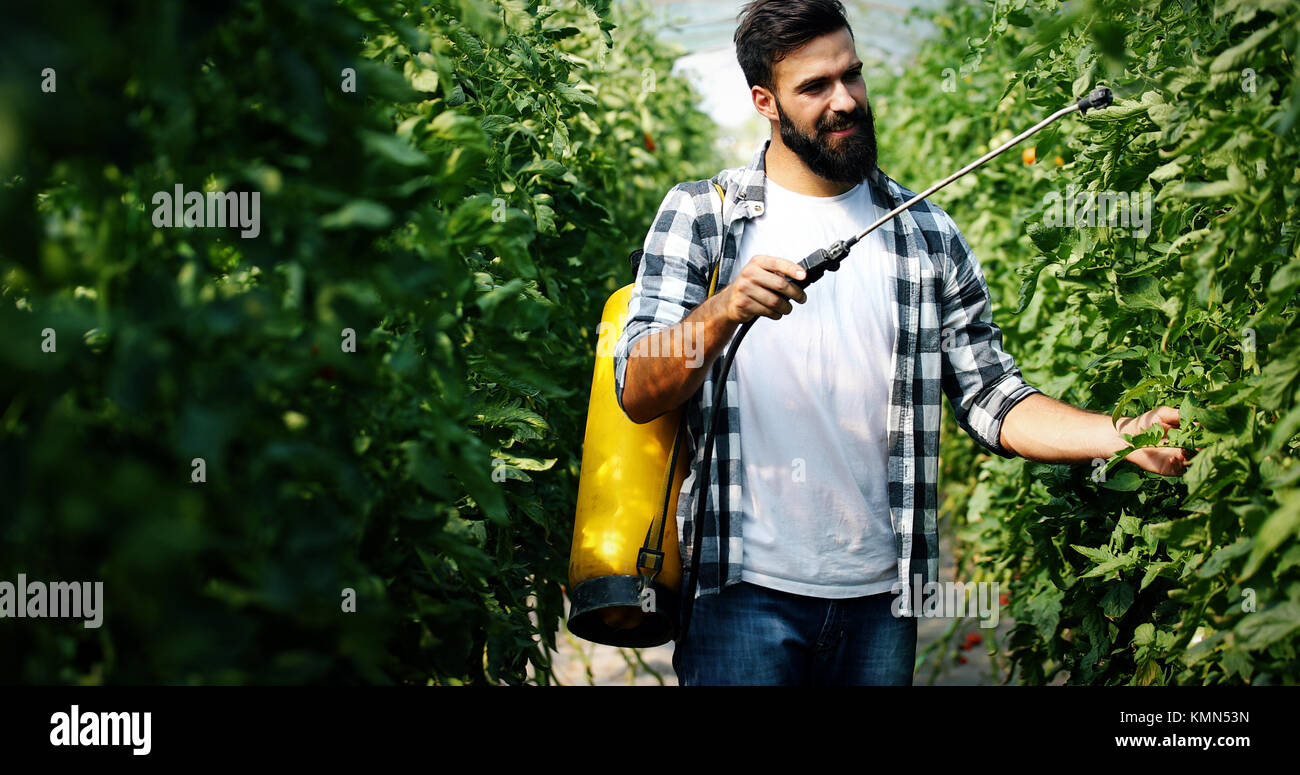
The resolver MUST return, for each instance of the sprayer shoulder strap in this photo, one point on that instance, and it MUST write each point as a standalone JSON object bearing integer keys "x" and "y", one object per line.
{"x": 713, "y": 283}
{"x": 651, "y": 557}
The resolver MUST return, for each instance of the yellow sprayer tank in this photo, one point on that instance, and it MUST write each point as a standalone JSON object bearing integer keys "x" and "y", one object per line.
{"x": 620, "y": 493}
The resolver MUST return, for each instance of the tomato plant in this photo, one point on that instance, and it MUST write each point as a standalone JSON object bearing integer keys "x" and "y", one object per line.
{"x": 387, "y": 386}
{"x": 1120, "y": 576}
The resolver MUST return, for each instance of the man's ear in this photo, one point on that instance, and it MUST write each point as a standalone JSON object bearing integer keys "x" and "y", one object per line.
{"x": 764, "y": 103}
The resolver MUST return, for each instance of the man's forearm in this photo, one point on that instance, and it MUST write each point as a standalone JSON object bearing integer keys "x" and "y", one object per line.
{"x": 1050, "y": 431}
{"x": 666, "y": 367}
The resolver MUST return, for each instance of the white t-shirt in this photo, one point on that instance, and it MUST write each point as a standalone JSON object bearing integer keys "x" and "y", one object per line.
{"x": 814, "y": 406}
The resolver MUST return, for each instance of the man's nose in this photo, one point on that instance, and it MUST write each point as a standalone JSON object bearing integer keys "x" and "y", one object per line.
{"x": 842, "y": 100}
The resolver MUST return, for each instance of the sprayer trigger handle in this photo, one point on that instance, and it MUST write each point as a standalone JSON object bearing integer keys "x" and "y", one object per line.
{"x": 821, "y": 261}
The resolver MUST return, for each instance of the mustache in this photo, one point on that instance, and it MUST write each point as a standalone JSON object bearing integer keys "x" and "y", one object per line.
{"x": 857, "y": 118}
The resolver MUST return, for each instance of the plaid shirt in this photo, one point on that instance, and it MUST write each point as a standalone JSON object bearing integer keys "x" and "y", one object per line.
{"x": 946, "y": 341}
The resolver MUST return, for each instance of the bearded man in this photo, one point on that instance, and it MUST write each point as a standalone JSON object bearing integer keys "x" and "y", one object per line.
{"x": 827, "y": 452}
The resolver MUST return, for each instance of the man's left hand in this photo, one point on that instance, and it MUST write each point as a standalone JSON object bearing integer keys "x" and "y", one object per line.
{"x": 1166, "y": 461}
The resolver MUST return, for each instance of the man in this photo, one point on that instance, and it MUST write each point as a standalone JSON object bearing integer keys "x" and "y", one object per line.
{"x": 833, "y": 482}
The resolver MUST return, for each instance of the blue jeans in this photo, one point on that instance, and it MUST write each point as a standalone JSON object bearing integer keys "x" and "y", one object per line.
{"x": 753, "y": 635}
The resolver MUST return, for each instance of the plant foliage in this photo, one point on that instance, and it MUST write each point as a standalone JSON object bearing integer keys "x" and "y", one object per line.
{"x": 463, "y": 211}
{"x": 1118, "y": 576}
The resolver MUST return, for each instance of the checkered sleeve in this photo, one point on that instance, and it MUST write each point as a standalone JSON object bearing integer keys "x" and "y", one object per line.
{"x": 980, "y": 379}
{"x": 671, "y": 280}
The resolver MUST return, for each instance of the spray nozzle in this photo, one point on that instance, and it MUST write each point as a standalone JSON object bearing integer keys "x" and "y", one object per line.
{"x": 1099, "y": 98}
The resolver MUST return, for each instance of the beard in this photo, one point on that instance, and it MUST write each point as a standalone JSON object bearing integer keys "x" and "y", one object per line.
{"x": 844, "y": 160}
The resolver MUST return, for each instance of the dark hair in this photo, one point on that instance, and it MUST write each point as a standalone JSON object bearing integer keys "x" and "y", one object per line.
{"x": 770, "y": 29}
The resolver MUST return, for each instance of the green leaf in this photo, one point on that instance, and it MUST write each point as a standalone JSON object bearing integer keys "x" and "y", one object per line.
{"x": 559, "y": 33}
{"x": 1043, "y": 611}
{"x": 1046, "y": 238}
{"x": 425, "y": 81}
{"x": 1277, "y": 382}
{"x": 392, "y": 147}
{"x": 1137, "y": 391}
{"x": 1118, "y": 598}
{"x": 509, "y": 292}
{"x": 1096, "y": 555}
{"x": 1233, "y": 58}
{"x": 362, "y": 213}
{"x": 1220, "y": 559}
{"x": 451, "y": 129}
{"x": 1110, "y": 566}
{"x": 497, "y": 123}
{"x": 1204, "y": 649}
{"x": 1234, "y": 184}
{"x": 1169, "y": 171}
{"x": 1146, "y": 674}
{"x": 526, "y": 423}
{"x": 474, "y": 472}
{"x": 1239, "y": 662}
{"x": 528, "y": 463}
{"x": 467, "y": 43}
{"x": 423, "y": 466}
{"x": 1140, "y": 293}
{"x": 1029, "y": 284}
{"x": 546, "y": 167}
{"x": 1153, "y": 571}
{"x": 1259, "y": 630}
{"x": 1283, "y": 524}
{"x": 1127, "y": 481}
{"x": 572, "y": 94}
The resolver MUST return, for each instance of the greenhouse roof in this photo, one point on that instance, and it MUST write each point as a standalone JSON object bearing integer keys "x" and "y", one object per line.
{"x": 701, "y": 27}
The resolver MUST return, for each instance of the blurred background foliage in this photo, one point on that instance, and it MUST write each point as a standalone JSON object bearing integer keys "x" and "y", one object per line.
{"x": 465, "y": 211}
{"x": 1136, "y": 578}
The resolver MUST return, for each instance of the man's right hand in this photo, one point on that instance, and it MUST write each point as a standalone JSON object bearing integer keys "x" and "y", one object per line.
{"x": 764, "y": 288}
{"x": 655, "y": 385}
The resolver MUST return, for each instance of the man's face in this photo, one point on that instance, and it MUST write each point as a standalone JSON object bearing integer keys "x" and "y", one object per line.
{"x": 824, "y": 116}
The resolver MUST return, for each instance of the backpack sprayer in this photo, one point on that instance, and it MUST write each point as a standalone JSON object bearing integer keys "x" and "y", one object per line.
{"x": 614, "y": 599}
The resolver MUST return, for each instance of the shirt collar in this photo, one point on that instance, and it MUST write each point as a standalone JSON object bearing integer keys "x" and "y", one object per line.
{"x": 750, "y": 196}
